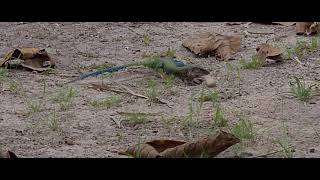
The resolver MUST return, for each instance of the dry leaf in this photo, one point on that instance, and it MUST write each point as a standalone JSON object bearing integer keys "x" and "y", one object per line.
{"x": 285, "y": 23}
{"x": 280, "y": 23}
{"x": 265, "y": 51}
{"x": 307, "y": 28}
{"x": 211, "y": 146}
{"x": 143, "y": 151}
{"x": 234, "y": 23}
{"x": 31, "y": 58}
{"x": 8, "y": 154}
{"x": 221, "y": 46}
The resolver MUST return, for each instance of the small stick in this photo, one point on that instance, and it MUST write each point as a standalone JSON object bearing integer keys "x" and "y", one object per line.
{"x": 133, "y": 93}
{"x": 298, "y": 61}
{"x": 118, "y": 123}
{"x": 263, "y": 155}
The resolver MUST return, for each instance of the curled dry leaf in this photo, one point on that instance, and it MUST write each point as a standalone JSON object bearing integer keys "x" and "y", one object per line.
{"x": 8, "y": 154}
{"x": 285, "y": 23}
{"x": 307, "y": 28}
{"x": 280, "y": 23}
{"x": 234, "y": 23}
{"x": 210, "y": 146}
{"x": 221, "y": 46}
{"x": 31, "y": 58}
{"x": 265, "y": 51}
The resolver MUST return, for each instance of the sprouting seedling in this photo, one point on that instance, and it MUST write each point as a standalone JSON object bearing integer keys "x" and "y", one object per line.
{"x": 230, "y": 70}
{"x": 314, "y": 43}
{"x": 218, "y": 118}
{"x": 301, "y": 91}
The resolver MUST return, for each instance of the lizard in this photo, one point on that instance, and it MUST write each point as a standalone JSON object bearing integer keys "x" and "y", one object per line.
{"x": 187, "y": 73}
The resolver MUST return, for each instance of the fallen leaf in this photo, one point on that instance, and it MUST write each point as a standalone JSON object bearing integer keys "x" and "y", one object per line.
{"x": 265, "y": 51}
{"x": 221, "y": 46}
{"x": 307, "y": 28}
{"x": 31, "y": 58}
{"x": 234, "y": 23}
{"x": 143, "y": 151}
{"x": 285, "y": 23}
{"x": 8, "y": 154}
{"x": 210, "y": 146}
{"x": 280, "y": 23}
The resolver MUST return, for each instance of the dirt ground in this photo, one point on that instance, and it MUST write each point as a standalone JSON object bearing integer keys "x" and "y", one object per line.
{"x": 86, "y": 131}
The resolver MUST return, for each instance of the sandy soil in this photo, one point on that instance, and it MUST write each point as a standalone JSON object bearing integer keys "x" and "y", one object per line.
{"x": 86, "y": 131}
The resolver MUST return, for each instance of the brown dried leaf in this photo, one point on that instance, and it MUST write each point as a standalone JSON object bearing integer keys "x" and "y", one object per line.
{"x": 210, "y": 146}
{"x": 285, "y": 23}
{"x": 161, "y": 145}
{"x": 221, "y": 46}
{"x": 143, "y": 151}
{"x": 268, "y": 50}
{"x": 34, "y": 58}
{"x": 234, "y": 23}
{"x": 8, "y": 154}
{"x": 307, "y": 28}
{"x": 265, "y": 51}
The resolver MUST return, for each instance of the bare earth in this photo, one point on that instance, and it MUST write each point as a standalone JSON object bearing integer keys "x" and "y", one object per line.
{"x": 86, "y": 131}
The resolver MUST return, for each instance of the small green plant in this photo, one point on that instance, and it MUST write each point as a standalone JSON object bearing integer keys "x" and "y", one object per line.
{"x": 44, "y": 87}
{"x": 169, "y": 122}
{"x": 189, "y": 121}
{"x": 244, "y": 130}
{"x": 146, "y": 39}
{"x": 136, "y": 118}
{"x": 300, "y": 47}
{"x": 53, "y": 121}
{"x": 49, "y": 71}
{"x": 106, "y": 102}
{"x": 284, "y": 143}
{"x": 152, "y": 91}
{"x": 230, "y": 70}
{"x": 290, "y": 53}
{"x": 301, "y": 91}
{"x": 314, "y": 43}
{"x": 218, "y": 119}
{"x": 65, "y": 97}
{"x": 14, "y": 86}
{"x": 96, "y": 66}
{"x": 254, "y": 63}
{"x": 168, "y": 81}
{"x": 34, "y": 106}
{"x": 3, "y": 73}
{"x": 170, "y": 53}
{"x": 285, "y": 147}
{"x": 89, "y": 54}
{"x": 211, "y": 95}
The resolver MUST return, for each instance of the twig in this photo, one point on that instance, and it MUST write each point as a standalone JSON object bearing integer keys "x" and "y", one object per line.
{"x": 264, "y": 155}
{"x": 118, "y": 123}
{"x": 257, "y": 32}
{"x": 316, "y": 132}
{"x": 133, "y": 93}
{"x": 142, "y": 96}
{"x": 298, "y": 61}
{"x": 146, "y": 114}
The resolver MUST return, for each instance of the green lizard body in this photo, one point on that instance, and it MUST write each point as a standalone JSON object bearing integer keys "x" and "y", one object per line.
{"x": 167, "y": 65}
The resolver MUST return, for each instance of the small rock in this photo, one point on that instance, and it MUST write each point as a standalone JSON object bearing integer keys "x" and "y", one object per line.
{"x": 312, "y": 150}
{"x": 69, "y": 142}
{"x": 210, "y": 82}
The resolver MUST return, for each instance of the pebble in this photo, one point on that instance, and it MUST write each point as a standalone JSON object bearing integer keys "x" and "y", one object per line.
{"x": 210, "y": 82}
